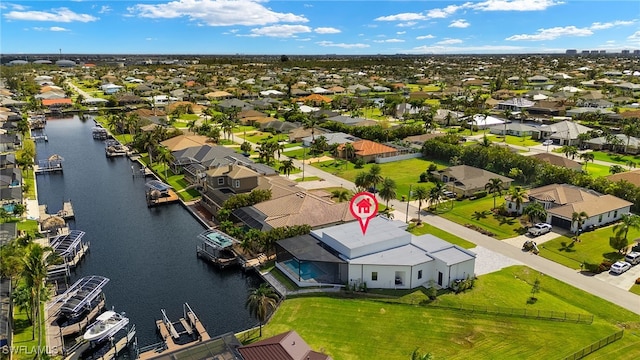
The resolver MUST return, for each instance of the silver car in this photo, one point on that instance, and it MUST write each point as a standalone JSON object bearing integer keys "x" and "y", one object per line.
{"x": 620, "y": 267}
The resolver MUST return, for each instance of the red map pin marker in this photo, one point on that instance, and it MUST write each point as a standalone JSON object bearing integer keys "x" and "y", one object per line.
{"x": 364, "y": 207}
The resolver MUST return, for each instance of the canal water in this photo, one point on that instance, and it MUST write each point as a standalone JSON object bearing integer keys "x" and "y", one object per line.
{"x": 149, "y": 254}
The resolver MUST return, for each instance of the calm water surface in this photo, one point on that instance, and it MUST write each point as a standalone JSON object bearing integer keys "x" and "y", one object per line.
{"x": 149, "y": 254}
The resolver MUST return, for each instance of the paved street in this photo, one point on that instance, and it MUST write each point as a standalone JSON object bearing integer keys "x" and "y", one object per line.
{"x": 600, "y": 286}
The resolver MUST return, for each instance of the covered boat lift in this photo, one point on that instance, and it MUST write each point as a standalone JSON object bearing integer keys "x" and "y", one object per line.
{"x": 217, "y": 248}
{"x": 70, "y": 247}
{"x": 158, "y": 193}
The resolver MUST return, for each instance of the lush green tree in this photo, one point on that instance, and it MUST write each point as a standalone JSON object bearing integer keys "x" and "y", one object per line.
{"x": 436, "y": 194}
{"x": 245, "y": 147}
{"x": 517, "y": 195}
{"x": 417, "y": 355}
{"x": 388, "y": 190}
{"x": 362, "y": 181}
{"x": 618, "y": 243}
{"x": 586, "y": 157}
{"x": 375, "y": 176}
{"x": 349, "y": 151}
{"x": 420, "y": 193}
{"x": 536, "y": 212}
{"x": 261, "y": 302}
{"x": 165, "y": 157}
{"x": 569, "y": 151}
{"x": 578, "y": 219}
{"x": 615, "y": 169}
{"x": 627, "y": 222}
{"x": 495, "y": 187}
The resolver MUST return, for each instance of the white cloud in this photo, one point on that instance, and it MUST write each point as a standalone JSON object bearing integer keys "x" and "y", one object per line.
{"x": 634, "y": 36}
{"x": 438, "y": 49}
{"x": 407, "y": 24}
{"x": 58, "y": 28}
{"x": 607, "y": 25}
{"x": 327, "y": 30}
{"x": 445, "y": 12}
{"x": 216, "y": 12}
{"x": 514, "y": 5}
{"x": 56, "y": 15}
{"x": 449, "y": 42}
{"x": 104, "y": 9}
{"x": 283, "y": 31}
{"x": 342, "y": 45}
{"x": 389, "y": 41}
{"x": 400, "y": 32}
{"x": 424, "y": 37}
{"x": 402, "y": 17}
{"x": 304, "y": 39}
{"x": 552, "y": 34}
{"x": 460, "y": 23}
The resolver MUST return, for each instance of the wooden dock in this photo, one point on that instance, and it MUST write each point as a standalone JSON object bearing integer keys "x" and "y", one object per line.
{"x": 66, "y": 212}
{"x": 171, "y": 198}
{"x": 55, "y": 333}
{"x": 47, "y": 169}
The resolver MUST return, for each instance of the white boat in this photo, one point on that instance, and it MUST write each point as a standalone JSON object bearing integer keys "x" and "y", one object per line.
{"x": 107, "y": 324}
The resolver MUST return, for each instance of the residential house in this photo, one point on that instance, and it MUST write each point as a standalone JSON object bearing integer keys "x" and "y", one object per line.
{"x": 331, "y": 138}
{"x": 285, "y": 346}
{"x": 358, "y": 89}
{"x": 632, "y": 177}
{"x": 405, "y": 110}
{"x": 620, "y": 142}
{"x": 229, "y": 104}
{"x": 9, "y": 142}
{"x": 206, "y": 156}
{"x": 388, "y": 257}
{"x": 8, "y": 161}
{"x": 368, "y": 150}
{"x": 561, "y": 201}
{"x": 57, "y": 103}
{"x": 280, "y": 127}
{"x": 515, "y": 104}
{"x": 466, "y": 180}
{"x": 11, "y": 177}
{"x": 297, "y": 134}
{"x": 563, "y": 133}
{"x": 181, "y": 142}
{"x": 513, "y": 128}
{"x": 484, "y": 122}
{"x": 578, "y": 112}
{"x": 297, "y": 208}
{"x": 109, "y": 89}
{"x": 557, "y": 160}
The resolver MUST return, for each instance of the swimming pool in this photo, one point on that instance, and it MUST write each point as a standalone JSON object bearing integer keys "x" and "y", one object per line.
{"x": 9, "y": 207}
{"x": 307, "y": 271}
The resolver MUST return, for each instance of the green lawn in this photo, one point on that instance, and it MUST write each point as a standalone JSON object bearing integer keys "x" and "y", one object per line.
{"x": 22, "y": 333}
{"x": 464, "y": 212}
{"x": 615, "y": 158}
{"x": 430, "y": 229}
{"x": 28, "y": 180}
{"x": 514, "y": 140}
{"x": 405, "y": 172}
{"x": 299, "y": 154}
{"x": 592, "y": 248}
{"x": 635, "y": 289}
{"x": 30, "y": 226}
{"x": 597, "y": 170}
{"x": 373, "y": 329}
{"x": 259, "y": 136}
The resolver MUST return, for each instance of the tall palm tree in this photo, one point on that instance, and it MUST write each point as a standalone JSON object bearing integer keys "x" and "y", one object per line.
{"x": 388, "y": 190}
{"x": 165, "y": 157}
{"x": 37, "y": 259}
{"x": 287, "y": 166}
{"x": 349, "y": 151}
{"x": 341, "y": 195}
{"x": 578, "y": 218}
{"x": 362, "y": 181}
{"x": 536, "y": 212}
{"x": 628, "y": 221}
{"x": 586, "y": 157}
{"x": 436, "y": 194}
{"x": 518, "y": 195}
{"x": 421, "y": 194}
{"x": 494, "y": 186}
{"x": 375, "y": 176}
{"x": 261, "y": 302}
{"x": 631, "y": 129}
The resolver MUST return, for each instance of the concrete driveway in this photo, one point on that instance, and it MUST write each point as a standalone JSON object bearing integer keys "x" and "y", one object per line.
{"x": 518, "y": 241}
{"x": 624, "y": 281}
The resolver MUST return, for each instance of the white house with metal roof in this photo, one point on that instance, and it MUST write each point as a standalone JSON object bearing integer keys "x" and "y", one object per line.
{"x": 386, "y": 256}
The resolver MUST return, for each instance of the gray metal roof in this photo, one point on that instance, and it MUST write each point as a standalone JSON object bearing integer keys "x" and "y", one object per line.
{"x": 308, "y": 248}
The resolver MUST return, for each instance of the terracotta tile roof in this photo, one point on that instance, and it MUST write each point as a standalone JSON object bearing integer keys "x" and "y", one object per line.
{"x": 51, "y": 102}
{"x": 315, "y": 97}
{"x": 367, "y": 147}
{"x": 630, "y": 176}
{"x": 593, "y": 207}
{"x": 285, "y": 346}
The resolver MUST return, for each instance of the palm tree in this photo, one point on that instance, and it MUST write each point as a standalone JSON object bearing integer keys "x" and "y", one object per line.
{"x": 349, "y": 151}
{"x": 586, "y": 157}
{"x": 341, "y": 194}
{"x": 362, "y": 181}
{"x": 518, "y": 195}
{"x": 287, "y": 166}
{"x": 375, "y": 176}
{"x": 627, "y": 222}
{"x": 310, "y": 123}
{"x": 536, "y": 212}
{"x": 631, "y": 129}
{"x": 261, "y": 302}
{"x": 436, "y": 194}
{"x": 578, "y": 218}
{"x": 570, "y": 151}
{"x": 165, "y": 157}
{"x": 420, "y": 193}
{"x": 494, "y": 186}
{"x": 388, "y": 190}
{"x": 36, "y": 261}
{"x": 416, "y": 355}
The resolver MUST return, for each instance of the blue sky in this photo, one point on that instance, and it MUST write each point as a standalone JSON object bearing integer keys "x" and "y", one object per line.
{"x": 317, "y": 27}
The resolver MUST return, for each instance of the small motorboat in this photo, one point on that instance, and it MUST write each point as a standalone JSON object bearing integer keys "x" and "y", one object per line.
{"x": 107, "y": 324}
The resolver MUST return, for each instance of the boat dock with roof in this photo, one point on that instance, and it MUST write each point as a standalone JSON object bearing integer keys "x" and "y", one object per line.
{"x": 71, "y": 248}
{"x": 176, "y": 335}
{"x": 217, "y": 248}
{"x": 113, "y": 148}
{"x": 72, "y": 311}
{"x": 159, "y": 193}
{"x": 100, "y": 133}
{"x": 52, "y": 164}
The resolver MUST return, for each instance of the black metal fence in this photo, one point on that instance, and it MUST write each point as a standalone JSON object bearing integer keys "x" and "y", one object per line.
{"x": 521, "y": 312}
{"x": 595, "y": 346}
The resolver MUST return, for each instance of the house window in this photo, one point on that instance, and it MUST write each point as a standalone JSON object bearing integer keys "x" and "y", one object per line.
{"x": 615, "y": 214}
{"x": 509, "y": 205}
{"x": 600, "y": 218}
{"x": 374, "y": 276}
{"x": 237, "y": 184}
{"x": 419, "y": 274}
{"x": 220, "y": 181}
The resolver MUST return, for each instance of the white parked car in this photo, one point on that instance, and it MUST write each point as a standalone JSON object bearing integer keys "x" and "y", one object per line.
{"x": 539, "y": 229}
{"x": 620, "y": 267}
{"x": 633, "y": 258}
{"x": 547, "y": 142}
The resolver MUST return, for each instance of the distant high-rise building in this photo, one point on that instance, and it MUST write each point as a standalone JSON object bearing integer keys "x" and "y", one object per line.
{"x": 636, "y": 52}
{"x": 572, "y": 52}
{"x": 595, "y": 52}
{"x": 625, "y": 52}
{"x": 603, "y": 51}
{"x": 585, "y": 52}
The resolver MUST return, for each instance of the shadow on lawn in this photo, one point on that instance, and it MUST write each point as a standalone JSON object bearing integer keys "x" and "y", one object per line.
{"x": 567, "y": 247}
{"x": 613, "y": 256}
{"x": 20, "y": 326}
